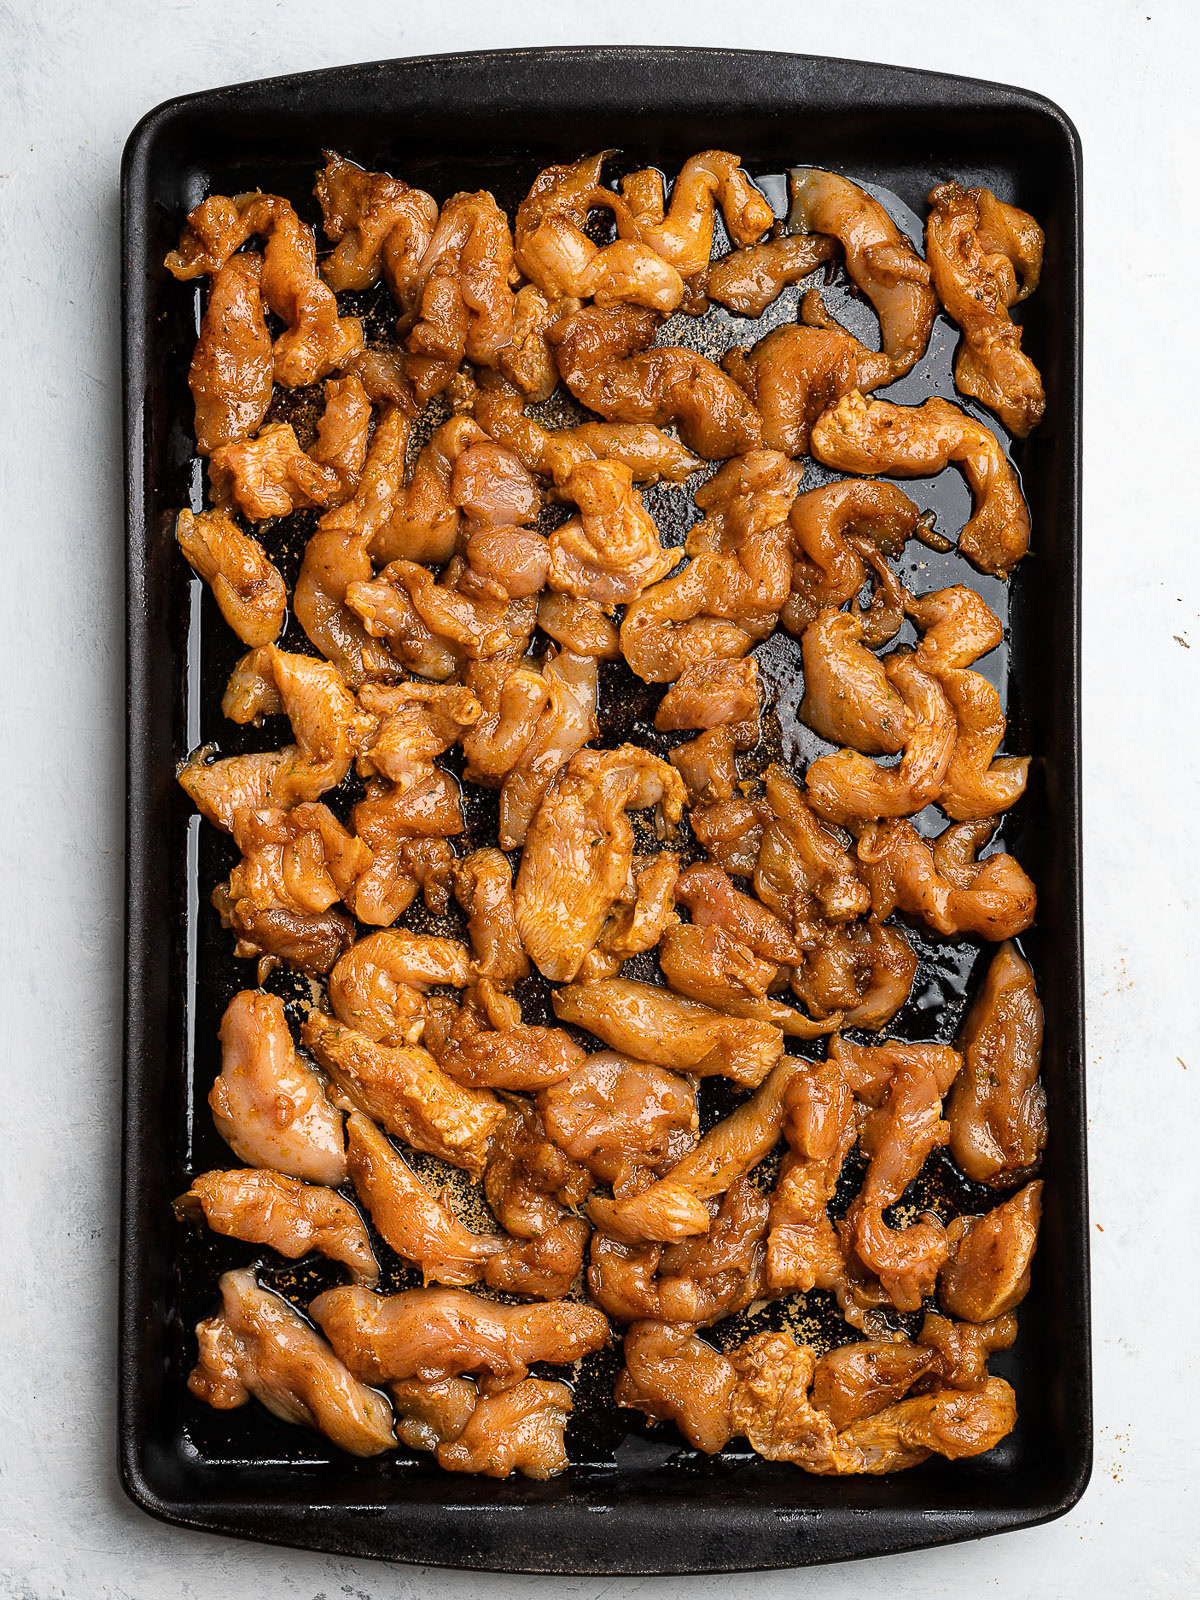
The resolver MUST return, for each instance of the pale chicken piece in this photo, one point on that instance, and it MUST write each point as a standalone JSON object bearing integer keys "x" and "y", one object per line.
{"x": 710, "y": 965}
{"x": 861, "y": 971}
{"x": 415, "y": 1224}
{"x": 997, "y": 1106}
{"x": 604, "y": 361}
{"x": 723, "y": 1270}
{"x": 407, "y": 832}
{"x": 771, "y": 1405}
{"x": 747, "y": 280}
{"x": 555, "y": 251}
{"x": 407, "y": 1093}
{"x": 518, "y": 1429}
{"x": 645, "y": 1021}
{"x": 708, "y": 768}
{"x": 976, "y": 246}
{"x": 837, "y": 531}
{"x": 849, "y": 788}
{"x": 713, "y": 695}
{"x": 877, "y": 436}
{"x": 378, "y": 225}
{"x": 435, "y": 625}
{"x": 491, "y": 484}
{"x": 712, "y": 899}
{"x": 859, "y": 1380}
{"x": 803, "y": 1248}
{"x": 506, "y": 563}
{"x": 380, "y": 370}
{"x": 610, "y": 552}
{"x": 270, "y": 476}
{"x": 258, "y": 1345}
{"x": 380, "y": 984}
{"x": 230, "y": 375}
{"x": 245, "y": 583}
{"x": 881, "y": 261}
{"x": 579, "y": 851}
{"x": 483, "y": 887}
{"x": 268, "y": 1105}
{"x": 443, "y": 1333}
{"x": 578, "y": 625}
{"x": 682, "y": 233}
{"x": 803, "y": 872}
{"x": 673, "y": 1376}
{"x": 264, "y": 1207}
{"x": 988, "y": 1272}
{"x": 621, "y": 1118}
{"x": 410, "y": 724}
{"x": 848, "y": 697}
{"x": 943, "y": 882}
{"x": 430, "y": 1413}
{"x": 794, "y": 374}
{"x": 960, "y": 1350}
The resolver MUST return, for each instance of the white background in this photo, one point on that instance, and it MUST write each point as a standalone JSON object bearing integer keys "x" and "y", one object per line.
{"x": 74, "y": 78}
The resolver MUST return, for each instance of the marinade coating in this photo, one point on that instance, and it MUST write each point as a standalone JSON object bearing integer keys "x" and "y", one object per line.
{"x": 712, "y": 695}
{"x": 434, "y": 1412}
{"x": 673, "y": 1376}
{"x": 245, "y": 583}
{"x": 518, "y": 1429}
{"x": 231, "y": 375}
{"x": 747, "y": 280}
{"x": 610, "y": 552}
{"x": 803, "y": 1248}
{"x": 858, "y": 1380}
{"x": 942, "y": 881}
{"x": 710, "y": 965}
{"x": 265, "y": 1207}
{"x": 988, "y": 1271}
{"x": 681, "y": 233}
{"x": 379, "y": 985}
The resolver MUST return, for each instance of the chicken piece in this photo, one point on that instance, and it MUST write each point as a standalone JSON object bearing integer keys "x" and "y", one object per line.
{"x": 435, "y": 625}
{"x": 544, "y": 1268}
{"x": 491, "y": 484}
{"x": 257, "y": 1345}
{"x": 406, "y": 830}
{"x": 712, "y": 900}
{"x": 513, "y": 1057}
{"x": 876, "y": 436}
{"x": 833, "y": 528}
{"x": 859, "y": 1380}
{"x": 610, "y": 552}
{"x": 960, "y": 1350}
{"x": 555, "y": 251}
{"x": 847, "y": 787}
{"x": 988, "y": 1271}
{"x": 747, "y": 280}
{"x": 976, "y": 244}
{"x": 881, "y": 262}
{"x": 948, "y": 1422}
{"x": 484, "y": 889}
{"x": 803, "y": 872}
{"x": 771, "y": 1404}
{"x": 245, "y": 583}
{"x": 380, "y": 370}
{"x": 997, "y": 1106}
{"x": 803, "y": 1248}
{"x": 905, "y": 1085}
{"x": 673, "y": 1376}
{"x": 578, "y": 625}
{"x": 642, "y": 911}
{"x": 517, "y": 1430}
{"x": 646, "y": 1022}
{"x": 579, "y": 851}
{"x": 264, "y": 1207}
{"x": 270, "y": 1108}
{"x": 416, "y": 1225}
{"x": 794, "y": 374}
{"x": 848, "y": 697}
{"x": 309, "y": 942}
{"x": 413, "y": 724}
{"x": 943, "y": 883}
{"x": 528, "y": 362}
{"x": 604, "y": 362}
{"x": 683, "y": 234}
{"x": 423, "y": 519}
{"x": 442, "y": 1333}
{"x": 707, "y": 766}
{"x": 529, "y": 1181}
{"x": 432, "y": 1413}
{"x": 861, "y": 971}
{"x": 621, "y": 1118}
{"x": 710, "y": 965}
{"x": 378, "y": 225}
{"x": 379, "y": 985}
{"x": 407, "y": 1093}
{"x": 712, "y": 695}
{"x": 230, "y": 375}
{"x": 270, "y": 476}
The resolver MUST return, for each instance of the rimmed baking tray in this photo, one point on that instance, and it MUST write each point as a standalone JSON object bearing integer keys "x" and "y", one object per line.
{"x": 641, "y": 1504}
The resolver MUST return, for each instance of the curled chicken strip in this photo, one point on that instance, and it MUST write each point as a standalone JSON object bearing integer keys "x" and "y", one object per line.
{"x": 683, "y": 233}
{"x": 412, "y": 723}
{"x": 642, "y": 911}
{"x": 378, "y": 225}
{"x": 713, "y": 695}
{"x": 794, "y": 374}
{"x": 879, "y": 259}
{"x": 379, "y": 985}
{"x": 483, "y": 886}
{"x": 747, "y": 280}
{"x": 505, "y": 1056}
{"x": 855, "y": 1381}
{"x": 848, "y": 697}
{"x": 231, "y": 373}
{"x": 268, "y": 1105}
{"x": 271, "y": 476}
{"x": 976, "y": 246}
{"x": 257, "y": 1345}
{"x": 828, "y": 528}
{"x": 803, "y": 1248}
{"x": 876, "y": 436}
{"x": 245, "y": 583}
{"x": 713, "y": 967}
{"x": 988, "y": 1272}
{"x": 710, "y": 896}
{"x": 610, "y": 552}
{"x": 432, "y": 1413}
{"x": 621, "y": 1118}
{"x": 804, "y": 873}
{"x": 861, "y": 971}
{"x": 406, "y": 831}
{"x": 528, "y": 362}
{"x": 424, "y": 518}
{"x": 291, "y": 1217}
{"x": 435, "y": 626}
{"x": 943, "y": 883}
{"x": 517, "y": 1429}
{"x": 674, "y": 1376}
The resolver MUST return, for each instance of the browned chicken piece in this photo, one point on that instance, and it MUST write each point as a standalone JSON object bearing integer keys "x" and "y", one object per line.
{"x": 646, "y": 1022}
{"x": 712, "y": 695}
{"x": 876, "y": 436}
{"x": 682, "y": 233}
{"x": 713, "y": 901}
{"x": 976, "y": 246}
{"x": 463, "y": 304}
{"x": 803, "y": 1249}
{"x": 948, "y": 1422}
{"x": 378, "y": 225}
{"x": 314, "y": 341}
{"x": 747, "y": 280}
{"x": 710, "y": 965}
{"x": 529, "y": 1181}
{"x": 269, "y": 1106}
{"x": 804, "y": 872}
{"x": 848, "y": 697}
{"x": 673, "y": 1376}
{"x": 231, "y": 370}
{"x": 943, "y": 883}
{"x": 610, "y": 552}
{"x": 264, "y": 1207}
{"x": 379, "y": 985}
{"x": 245, "y": 583}
{"x": 432, "y": 1413}
{"x": 988, "y": 1271}
{"x": 859, "y": 1380}
{"x": 578, "y": 625}
{"x": 604, "y": 361}
{"x": 622, "y": 1119}
{"x": 836, "y": 531}
{"x": 308, "y": 941}
{"x": 555, "y": 252}
{"x": 516, "y": 1430}
{"x": 407, "y": 1093}
{"x": 412, "y": 724}
{"x": 505, "y": 1055}
{"x": 961, "y": 1349}
{"x": 849, "y": 788}
{"x": 442, "y": 1333}
{"x": 997, "y": 1107}
{"x": 483, "y": 888}
{"x": 861, "y": 971}
{"x": 579, "y": 851}
{"x": 794, "y": 374}
{"x": 406, "y": 830}
{"x": 904, "y": 1084}
{"x": 258, "y": 1345}
{"x": 881, "y": 261}
{"x": 414, "y": 1223}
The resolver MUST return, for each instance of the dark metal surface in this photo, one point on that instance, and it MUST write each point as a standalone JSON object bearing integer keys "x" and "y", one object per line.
{"x": 636, "y": 1501}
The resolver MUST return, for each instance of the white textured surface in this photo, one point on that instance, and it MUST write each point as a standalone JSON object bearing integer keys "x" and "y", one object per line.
{"x": 73, "y": 80}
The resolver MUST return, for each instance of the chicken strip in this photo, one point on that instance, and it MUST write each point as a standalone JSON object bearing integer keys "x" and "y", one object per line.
{"x": 848, "y": 697}
{"x": 483, "y": 887}
{"x": 710, "y": 965}
{"x": 988, "y": 1272}
{"x": 834, "y": 529}
{"x": 379, "y": 225}
{"x": 245, "y": 583}
{"x": 610, "y": 552}
{"x": 264, "y": 1207}
{"x": 794, "y": 374}
{"x": 673, "y": 1376}
{"x": 682, "y": 234}
{"x": 230, "y": 375}
{"x": 747, "y": 280}
{"x": 622, "y": 1119}
{"x": 518, "y": 1429}
{"x": 943, "y": 883}
{"x": 379, "y": 985}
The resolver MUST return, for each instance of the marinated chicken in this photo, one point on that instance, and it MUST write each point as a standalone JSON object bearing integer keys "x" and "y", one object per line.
{"x": 673, "y": 1376}
{"x": 265, "y": 1207}
{"x": 245, "y": 583}
{"x": 518, "y": 1429}
{"x": 747, "y": 280}
{"x": 834, "y": 531}
{"x": 231, "y": 375}
{"x": 943, "y": 882}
